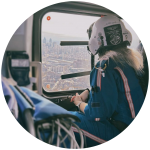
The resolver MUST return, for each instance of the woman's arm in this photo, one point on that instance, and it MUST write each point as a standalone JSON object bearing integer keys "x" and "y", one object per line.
{"x": 82, "y": 106}
{"x": 84, "y": 95}
{"x": 78, "y": 102}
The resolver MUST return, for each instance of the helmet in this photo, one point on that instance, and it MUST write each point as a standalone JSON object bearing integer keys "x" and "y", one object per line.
{"x": 89, "y": 31}
{"x": 107, "y": 33}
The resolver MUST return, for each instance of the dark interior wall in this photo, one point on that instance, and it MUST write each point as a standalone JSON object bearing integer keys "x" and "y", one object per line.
{"x": 4, "y": 71}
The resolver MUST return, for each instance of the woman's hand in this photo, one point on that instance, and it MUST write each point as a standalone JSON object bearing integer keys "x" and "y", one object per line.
{"x": 76, "y": 99}
{"x": 72, "y": 99}
{"x": 84, "y": 96}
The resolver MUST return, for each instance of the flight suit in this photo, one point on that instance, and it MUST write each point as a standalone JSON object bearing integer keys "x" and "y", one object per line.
{"x": 115, "y": 95}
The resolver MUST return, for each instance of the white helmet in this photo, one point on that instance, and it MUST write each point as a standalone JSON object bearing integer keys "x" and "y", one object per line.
{"x": 107, "y": 33}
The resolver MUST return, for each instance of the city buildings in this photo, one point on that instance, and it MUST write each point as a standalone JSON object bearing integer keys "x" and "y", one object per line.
{"x": 59, "y": 60}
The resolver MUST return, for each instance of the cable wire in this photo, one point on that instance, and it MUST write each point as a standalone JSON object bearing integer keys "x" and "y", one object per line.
{"x": 72, "y": 137}
{"x": 58, "y": 134}
{"x": 81, "y": 135}
{"x": 55, "y": 127}
{"x": 50, "y": 139}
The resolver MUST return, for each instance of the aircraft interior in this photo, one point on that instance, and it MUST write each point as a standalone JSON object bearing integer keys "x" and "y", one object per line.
{"x": 46, "y": 62}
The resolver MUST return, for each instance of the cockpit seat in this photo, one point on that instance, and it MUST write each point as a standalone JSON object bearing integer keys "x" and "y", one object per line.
{"x": 46, "y": 120}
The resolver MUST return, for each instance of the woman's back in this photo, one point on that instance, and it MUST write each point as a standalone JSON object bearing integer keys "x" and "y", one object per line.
{"x": 129, "y": 92}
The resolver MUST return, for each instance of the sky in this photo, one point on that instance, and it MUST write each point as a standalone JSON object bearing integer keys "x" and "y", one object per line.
{"x": 75, "y": 25}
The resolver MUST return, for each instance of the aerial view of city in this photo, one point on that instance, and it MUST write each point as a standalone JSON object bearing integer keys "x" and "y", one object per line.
{"x": 60, "y": 60}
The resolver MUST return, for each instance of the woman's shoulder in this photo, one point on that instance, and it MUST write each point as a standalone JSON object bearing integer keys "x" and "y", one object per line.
{"x": 106, "y": 64}
{"x": 110, "y": 66}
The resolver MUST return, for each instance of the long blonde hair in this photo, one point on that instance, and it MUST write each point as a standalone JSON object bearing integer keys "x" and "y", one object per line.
{"x": 124, "y": 55}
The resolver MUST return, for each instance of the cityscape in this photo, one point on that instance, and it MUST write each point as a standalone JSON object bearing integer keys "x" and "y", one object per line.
{"x": 60, "y": 60}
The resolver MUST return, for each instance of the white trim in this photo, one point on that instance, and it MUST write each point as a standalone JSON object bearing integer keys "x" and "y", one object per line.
{"x": 99, "y": 79}
{"x": 97, "y": 119}
{"x": 127, "y": 92}
{"x": 91, "y": 136}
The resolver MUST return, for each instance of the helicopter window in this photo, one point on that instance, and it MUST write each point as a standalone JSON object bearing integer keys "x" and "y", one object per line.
{"x": 58, "y": 60}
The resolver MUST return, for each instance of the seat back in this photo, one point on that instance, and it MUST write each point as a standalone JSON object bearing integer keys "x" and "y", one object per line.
{"x": 44, "y": 119}
{"x": 53, "y": 124}
{"x": 19, "y": 106}
{"x": 143, "y": 79}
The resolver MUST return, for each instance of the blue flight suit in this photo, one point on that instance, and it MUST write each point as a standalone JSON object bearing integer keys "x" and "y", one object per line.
{"x": 115, "y": 93}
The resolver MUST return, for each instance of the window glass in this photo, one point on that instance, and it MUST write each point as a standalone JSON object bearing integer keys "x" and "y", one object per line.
{"x": 135, "y": 40}
{"x": 60, "y": 60}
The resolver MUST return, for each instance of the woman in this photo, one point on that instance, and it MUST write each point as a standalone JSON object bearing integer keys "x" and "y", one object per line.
{"x": 116, "y": 96}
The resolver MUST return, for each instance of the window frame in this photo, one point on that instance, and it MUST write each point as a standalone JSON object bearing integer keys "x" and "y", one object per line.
{"x": 68, "y": 91}
{"x": 78, "y": 8}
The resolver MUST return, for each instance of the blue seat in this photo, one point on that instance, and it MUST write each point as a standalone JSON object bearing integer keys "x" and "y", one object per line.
{"x": 44, "y": 119}
{"x": 19, "y": 107}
